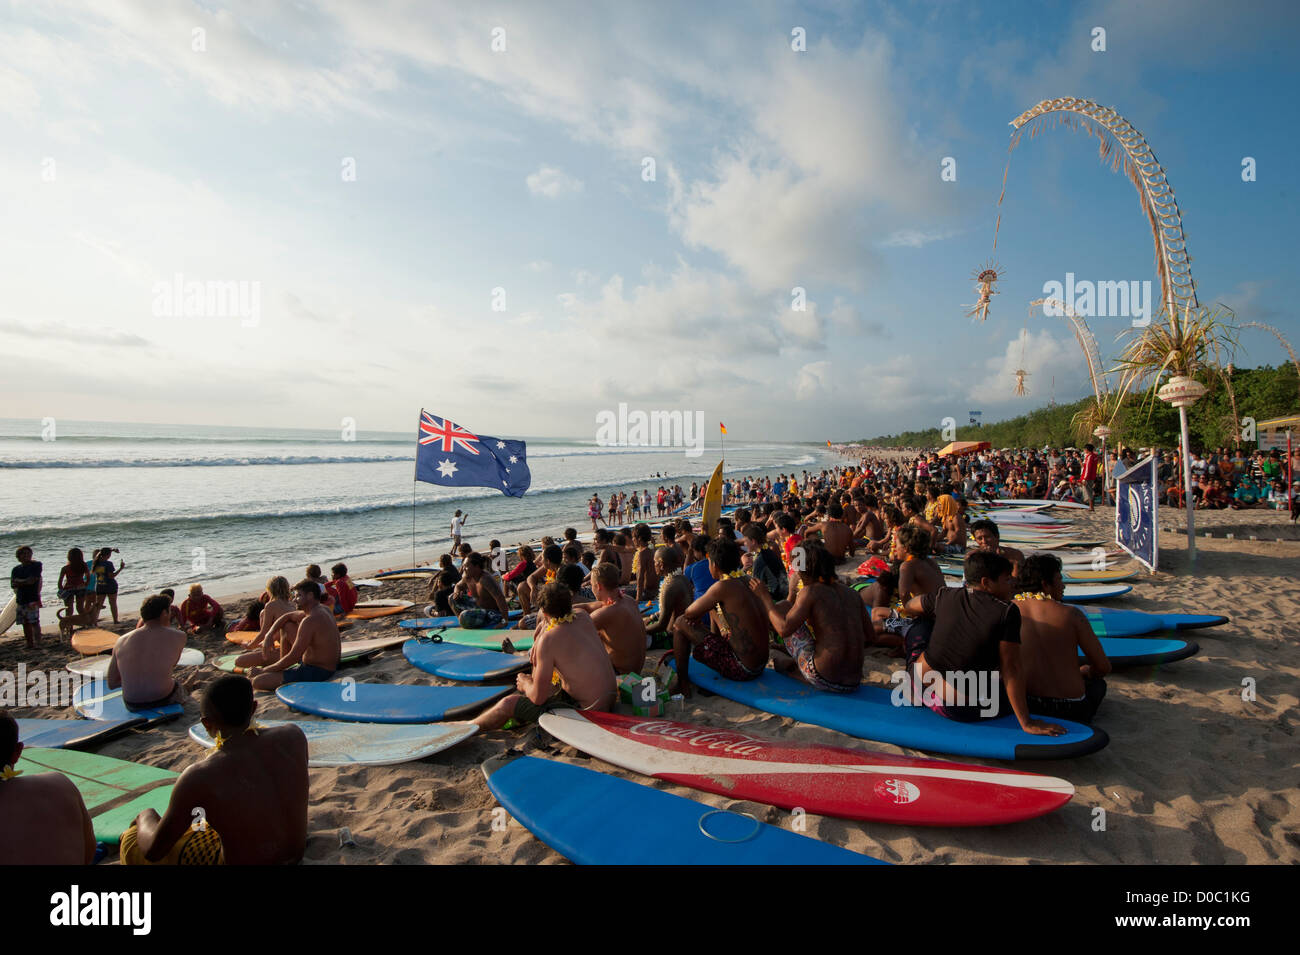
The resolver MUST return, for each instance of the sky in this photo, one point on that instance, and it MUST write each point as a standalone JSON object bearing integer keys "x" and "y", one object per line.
{"x": 520, "y": 215}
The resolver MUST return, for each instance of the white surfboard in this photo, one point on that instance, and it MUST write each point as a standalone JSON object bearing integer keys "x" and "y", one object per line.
{"x": 97, "y": 667}
{"x": 9, "y": 614}
{"x": 1038, "y": 502}
{"x": 338, "y": 743}
{"x": 380, "y": 604}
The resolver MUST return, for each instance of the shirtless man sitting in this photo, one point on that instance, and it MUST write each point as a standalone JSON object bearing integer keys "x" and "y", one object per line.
{"x": 837, "y": 536}
{"x": 914, "y": 513}
{"x": 617, "y": 619}
{"x": 869, "y": 526}
{"x": 735, "y": 642}
{"x": 478, "y": 598}
{"x": 988, "y": 538}
{"x": 675, "y": 594}
{"x": 918, "y": 574}
{"x": 955, "y": 531}
{"x": 313, "y": 656}
{"x": 824, "y": 629}
{"x": 1051, "y": 635}
{"x": 570, "y": 666}
{"x": 279, "y": 602}
{"x": 245, "y": 803}
{"x": 647, "y": 579}
{"x": 143, "y": 659}
{"x": 43, "y": 820}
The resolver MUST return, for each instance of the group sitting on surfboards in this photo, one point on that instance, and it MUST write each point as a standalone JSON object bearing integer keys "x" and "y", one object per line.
{"x": 762, "y": 590}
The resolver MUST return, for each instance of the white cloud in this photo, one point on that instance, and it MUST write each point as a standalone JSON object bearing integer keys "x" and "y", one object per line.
{"x": 915, "y": 238}
{"x": 1045, "y": 358}
{"x": 552, "y": 183}
{"x": 813, "y": 382}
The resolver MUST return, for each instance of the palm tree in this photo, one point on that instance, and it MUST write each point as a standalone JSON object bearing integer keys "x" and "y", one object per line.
{"x": 1165, "y": 357}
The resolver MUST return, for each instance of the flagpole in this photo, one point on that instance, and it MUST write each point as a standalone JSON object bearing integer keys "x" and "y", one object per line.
{"x": 415, "y": 471}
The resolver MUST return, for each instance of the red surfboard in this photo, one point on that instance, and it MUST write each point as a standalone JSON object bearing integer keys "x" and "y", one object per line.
{"x": 824, "y": 780}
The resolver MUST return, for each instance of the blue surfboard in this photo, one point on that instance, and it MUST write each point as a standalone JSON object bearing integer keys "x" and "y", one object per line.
{"x": 73, "y": 734}
{"x": 1145, "y": 651}
{"x": 437, "y": 623}
{"x": 869, "y": 713}
{"x": 1111, "y": 622}
{"x": 95, "y": 701}
{"x": 454, "y": 662}
{"x": 592, "y": 818}
{"x": 387, "y": 703}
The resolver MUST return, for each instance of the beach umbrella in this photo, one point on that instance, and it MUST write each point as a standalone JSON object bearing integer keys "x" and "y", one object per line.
{"x": 959, "y": 448}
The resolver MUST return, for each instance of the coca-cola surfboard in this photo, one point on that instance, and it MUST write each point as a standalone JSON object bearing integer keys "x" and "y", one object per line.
{"x": 825, "y": 780}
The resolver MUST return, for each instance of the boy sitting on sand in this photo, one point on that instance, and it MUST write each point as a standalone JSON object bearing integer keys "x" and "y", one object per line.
{"x": 675, "y": 595}
{"x": 824, "y": 629}
{"x": 478, "y": 598}
{"x": 1051, "y": 634}
{"x": 201, "y": 612}
{"x": 143, "y": 659}
{"x": 43, "y": 820}
{"x": 570, "y": 666}
{"x": 988, "y": 538}
{"x": 245, "y": 803}
{"x": 617, "y": 619}
{"x": 313, "y": 656}
{"x": 340, "y": 585}
{"x": 735, "y": 642}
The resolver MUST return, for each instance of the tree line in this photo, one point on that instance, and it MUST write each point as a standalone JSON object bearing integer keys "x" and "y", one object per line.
{"x": 1142, "y": 421}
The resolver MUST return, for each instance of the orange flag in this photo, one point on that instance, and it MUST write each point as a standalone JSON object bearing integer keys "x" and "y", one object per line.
{"x": 723, "y": 427}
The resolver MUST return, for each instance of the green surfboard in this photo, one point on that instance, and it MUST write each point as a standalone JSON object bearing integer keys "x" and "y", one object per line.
{"x": 114, "y": 791}
{"x": 487, "y": 639}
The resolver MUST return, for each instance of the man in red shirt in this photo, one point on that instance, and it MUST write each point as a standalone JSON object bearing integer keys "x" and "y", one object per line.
{"x": 345, "y": 593}
{"x": 1088, "y": 474}
{"x": 201, "y": 612}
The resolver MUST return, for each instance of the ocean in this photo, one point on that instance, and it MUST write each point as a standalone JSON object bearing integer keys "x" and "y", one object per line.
{"x": 228, "y": 507}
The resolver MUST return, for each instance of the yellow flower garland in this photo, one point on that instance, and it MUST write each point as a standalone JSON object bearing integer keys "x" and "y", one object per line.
{"x": 220, "y": 739}
{"x": 556, "y": 679}
{"x": 8, "y": 772}
{"x": 1036, "y": 596}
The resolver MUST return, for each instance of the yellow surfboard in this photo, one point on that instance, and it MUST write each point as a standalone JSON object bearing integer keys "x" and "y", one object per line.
{"x": 713, "y": 502}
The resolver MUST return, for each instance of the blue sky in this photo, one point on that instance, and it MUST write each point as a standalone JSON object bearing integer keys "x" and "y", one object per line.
{"x": 130, "y": 156}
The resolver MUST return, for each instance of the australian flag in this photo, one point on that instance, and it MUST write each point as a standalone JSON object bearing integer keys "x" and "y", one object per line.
{"x": 450, "y": 456}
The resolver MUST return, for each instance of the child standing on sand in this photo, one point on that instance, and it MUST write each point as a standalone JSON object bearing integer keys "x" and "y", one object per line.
{"x": 106, "y": 578}
{"x": 25, "y": 580}
{"x": 72, "y": 581}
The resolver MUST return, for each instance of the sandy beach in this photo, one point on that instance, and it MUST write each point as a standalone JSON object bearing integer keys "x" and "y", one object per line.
{"x": 1193, "y": 773}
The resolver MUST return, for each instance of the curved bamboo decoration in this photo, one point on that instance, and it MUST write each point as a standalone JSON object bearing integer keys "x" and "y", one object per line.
{"x": 1281, "y": 339}
{"x": 1173, "y": 265}
{"x": 1091, "y": 353}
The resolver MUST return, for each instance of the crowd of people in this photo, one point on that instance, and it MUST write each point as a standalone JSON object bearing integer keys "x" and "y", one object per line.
{"x": 765, "y": 588}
